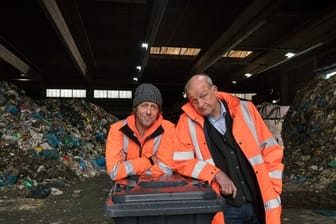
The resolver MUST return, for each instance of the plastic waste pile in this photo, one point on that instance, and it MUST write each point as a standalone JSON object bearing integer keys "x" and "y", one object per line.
{"x": 49, "y": 141}
{"x": 309, "y": 136}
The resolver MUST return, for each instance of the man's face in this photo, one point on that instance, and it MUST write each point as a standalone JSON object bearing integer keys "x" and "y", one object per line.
{"x": 146, "y": 113}
{"x": 202, "y": 97}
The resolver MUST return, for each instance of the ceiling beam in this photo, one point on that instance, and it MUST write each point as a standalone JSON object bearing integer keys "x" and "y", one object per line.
{"x": 318, "y": 28}
{"x": 250, "y": 20}
{"x": 158, "y": 9}
{"x": 13, "y": 60}
{"x": 310, "y": 54}
{"x": 54, "y": 13}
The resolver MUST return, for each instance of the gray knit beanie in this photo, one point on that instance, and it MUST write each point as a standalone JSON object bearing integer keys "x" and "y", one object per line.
{"x": 147, "y": 92}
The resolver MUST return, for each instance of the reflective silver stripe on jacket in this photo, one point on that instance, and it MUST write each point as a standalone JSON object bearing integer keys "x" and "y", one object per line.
{"x": 192, "y": 131}
{"x": 210, "y": 161}
{"x": 113, "y": 172}
{"x": 129, "y": 168}
{"x": 249, "y": 120}
{"x": 256, "y": 160}
{"x": 183, "y": 155}
{"x": 125, "y": 140}
{"x": 128, "y": 165}
{"x": 198, "y": 168}
{"x": 165, "y": 168}
{"x": 273, "y": 203}
{"x": 157, "y": 140}
{"x": 275, "y": 174}
{"x": 268, "y": 143}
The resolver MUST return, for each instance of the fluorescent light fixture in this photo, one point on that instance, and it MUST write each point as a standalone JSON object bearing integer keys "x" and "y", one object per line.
{"x": 24, "y": 80}
{"x": 144, "y": 45}
{"x": 289, "y": 54}
{"x": 234, "y": 82}
{"x": 135, "y": 79}
{"x": 138, "y": 68}
{"x": 248, "y": 75}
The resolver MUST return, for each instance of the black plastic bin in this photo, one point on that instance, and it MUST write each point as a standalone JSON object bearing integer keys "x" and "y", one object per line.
{"x": 162, "y": 200}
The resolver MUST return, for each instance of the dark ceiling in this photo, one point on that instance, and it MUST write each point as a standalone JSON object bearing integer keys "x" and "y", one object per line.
{"x": 97, "y": 43}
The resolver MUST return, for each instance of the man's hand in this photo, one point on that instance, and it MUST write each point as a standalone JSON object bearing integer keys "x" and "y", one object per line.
{"x": 226, "y": 186}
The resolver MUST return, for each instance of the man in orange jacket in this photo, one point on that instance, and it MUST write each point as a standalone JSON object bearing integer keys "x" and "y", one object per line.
{"x": 224, "y": 140}
{"x": 142, "y": 143}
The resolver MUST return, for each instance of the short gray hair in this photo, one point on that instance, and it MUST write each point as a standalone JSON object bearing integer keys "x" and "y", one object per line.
{"x": 200, "y": 77}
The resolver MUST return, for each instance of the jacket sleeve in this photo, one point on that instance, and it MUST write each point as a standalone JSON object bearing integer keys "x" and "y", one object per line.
{"x": 271, "y": 151}
{"x": 164, "y": 153}
{"x": 117, "y": 164}
{"x": 185, "y": 159}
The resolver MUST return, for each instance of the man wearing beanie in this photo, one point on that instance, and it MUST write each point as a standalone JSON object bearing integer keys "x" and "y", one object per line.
{"x": 142, "y": 143}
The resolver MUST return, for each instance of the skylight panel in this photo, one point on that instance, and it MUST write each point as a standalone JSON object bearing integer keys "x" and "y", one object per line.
{"x": 175, "y": 51}
{"x": 237, "y": 54}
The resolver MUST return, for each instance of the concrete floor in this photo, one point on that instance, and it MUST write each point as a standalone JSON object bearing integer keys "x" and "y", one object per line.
{"x": 84, "y": 203}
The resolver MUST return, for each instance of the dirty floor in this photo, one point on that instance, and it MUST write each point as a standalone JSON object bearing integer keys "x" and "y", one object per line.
{"x": 84, "y": 203}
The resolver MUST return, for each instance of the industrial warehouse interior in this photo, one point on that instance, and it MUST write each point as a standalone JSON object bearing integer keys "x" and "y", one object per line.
{"x": 72, "y": 66}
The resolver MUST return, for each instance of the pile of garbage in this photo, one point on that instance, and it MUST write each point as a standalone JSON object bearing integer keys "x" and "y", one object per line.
{"x": 309, "y": 136}
{"x": 50, "y": 140}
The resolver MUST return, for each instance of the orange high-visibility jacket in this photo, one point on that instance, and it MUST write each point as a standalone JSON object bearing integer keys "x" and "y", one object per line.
{"x": 193, "y": 158}
{"x": 127, "y": 155}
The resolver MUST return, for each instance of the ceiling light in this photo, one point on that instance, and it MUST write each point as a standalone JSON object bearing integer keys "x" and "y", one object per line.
{"x": 248, "y": 75}
{"x": 289, "y": 54}
{"x": 327, "y": 76}
{"x": 138, "y": 68}
{"x": 24, "y": 80}
{"x": 144, "y": 45}
{"x": 135, "y": 79}
{"x": 234, "y": 82}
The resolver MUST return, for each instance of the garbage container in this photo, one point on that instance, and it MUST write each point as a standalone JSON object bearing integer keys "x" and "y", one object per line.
{"x": 162, "y": 200}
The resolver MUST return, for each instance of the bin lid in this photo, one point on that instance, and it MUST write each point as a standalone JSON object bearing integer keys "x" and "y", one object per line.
{"x": 165, "y": 195}
{"x": 162, "y": 188}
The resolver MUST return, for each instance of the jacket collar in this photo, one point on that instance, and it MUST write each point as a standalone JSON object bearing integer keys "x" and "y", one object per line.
{"x": 131, "y": 124}
{"x": 231, "y": 101}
